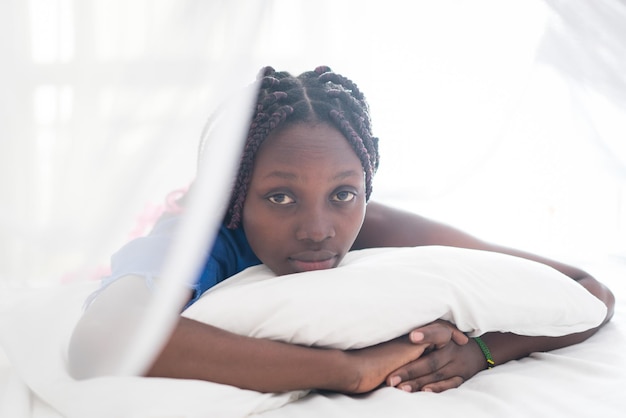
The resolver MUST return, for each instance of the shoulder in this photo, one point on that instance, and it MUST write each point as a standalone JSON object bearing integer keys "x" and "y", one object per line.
{"x": 386, "y": 226}
{"x": 229, "y": 255}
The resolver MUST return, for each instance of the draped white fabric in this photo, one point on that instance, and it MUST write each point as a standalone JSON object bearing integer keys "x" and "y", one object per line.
{"x": 504, "y": 118}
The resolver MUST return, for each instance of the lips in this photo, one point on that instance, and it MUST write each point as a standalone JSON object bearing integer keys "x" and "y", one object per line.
{"x": 313, "y": 260}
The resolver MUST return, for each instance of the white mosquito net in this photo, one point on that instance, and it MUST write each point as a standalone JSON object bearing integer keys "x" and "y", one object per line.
{"x": 506, "y": 119}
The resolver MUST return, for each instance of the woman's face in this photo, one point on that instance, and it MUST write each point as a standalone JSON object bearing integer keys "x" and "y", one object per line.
{"x": 306, "y": 201}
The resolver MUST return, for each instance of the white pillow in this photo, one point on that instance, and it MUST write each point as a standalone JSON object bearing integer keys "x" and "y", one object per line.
{"x": 379, "y": 294}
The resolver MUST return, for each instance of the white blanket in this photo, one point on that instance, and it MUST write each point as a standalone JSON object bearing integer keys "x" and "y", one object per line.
{"x": 584, "y": 380}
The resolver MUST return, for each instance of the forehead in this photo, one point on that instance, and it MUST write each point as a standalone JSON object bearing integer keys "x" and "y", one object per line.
{"x": 306, "y": 144}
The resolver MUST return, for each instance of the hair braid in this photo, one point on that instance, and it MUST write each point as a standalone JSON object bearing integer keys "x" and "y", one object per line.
{"x": 318, "y": 95}
{"x": 359, "y": 147}
{"x": 257, "y": 134}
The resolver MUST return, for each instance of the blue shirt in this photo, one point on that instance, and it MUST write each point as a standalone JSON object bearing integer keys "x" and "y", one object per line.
{"x": 144, "y": 256}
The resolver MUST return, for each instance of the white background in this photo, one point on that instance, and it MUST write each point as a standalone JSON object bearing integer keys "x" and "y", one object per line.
{"x": 504, "y": 118}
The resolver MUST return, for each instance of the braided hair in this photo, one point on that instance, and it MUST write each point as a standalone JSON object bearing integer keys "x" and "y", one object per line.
{"x": 318, "y": 95}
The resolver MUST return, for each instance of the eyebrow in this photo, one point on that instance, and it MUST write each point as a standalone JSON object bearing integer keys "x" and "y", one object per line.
{"x": 345, "y": 174}
{"x": 286, "y": 175}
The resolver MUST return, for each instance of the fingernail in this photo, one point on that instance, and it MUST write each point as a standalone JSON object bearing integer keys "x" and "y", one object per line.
{"x": 427, "y": 390}
{"x": 394, "y": 381}
{"x": 417, "y": 336}
{"x": 406, "y": 388}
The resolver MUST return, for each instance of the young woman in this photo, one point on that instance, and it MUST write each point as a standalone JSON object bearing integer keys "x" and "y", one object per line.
{"x": 300, "y": 203}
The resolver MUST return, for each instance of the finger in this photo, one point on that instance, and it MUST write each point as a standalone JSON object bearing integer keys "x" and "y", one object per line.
{"x": 437, "y": 387}
{"x": 459, "y": 337}
{"x": 426, "y": 369}
{"x": 436, "y": 334}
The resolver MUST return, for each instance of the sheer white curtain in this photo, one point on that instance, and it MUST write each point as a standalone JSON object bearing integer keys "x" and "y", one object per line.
{"x": 505, "y": 118}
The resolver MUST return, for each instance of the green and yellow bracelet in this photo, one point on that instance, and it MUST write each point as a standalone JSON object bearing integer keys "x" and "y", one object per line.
{"x": 483, "y": 347}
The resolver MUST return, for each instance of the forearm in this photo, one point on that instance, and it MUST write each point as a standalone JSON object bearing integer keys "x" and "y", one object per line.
{"x": 386, "y": 226}
{"x": 506, "y": 346}
{"x": 199, "y": 351}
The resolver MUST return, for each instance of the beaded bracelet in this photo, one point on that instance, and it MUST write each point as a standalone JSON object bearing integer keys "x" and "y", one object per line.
{"x": 483, "y": 347}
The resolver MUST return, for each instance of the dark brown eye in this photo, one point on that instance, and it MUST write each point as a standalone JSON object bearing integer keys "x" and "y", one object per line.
{"x": 280, "y": 199}
{"x": 344, "y": 196}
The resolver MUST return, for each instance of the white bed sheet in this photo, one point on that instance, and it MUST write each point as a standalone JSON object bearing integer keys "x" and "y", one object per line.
{"x": 587, "y": 379}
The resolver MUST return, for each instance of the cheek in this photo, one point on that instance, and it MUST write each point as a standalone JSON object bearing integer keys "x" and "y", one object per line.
{"x": 253, "y": 224}
{"x": 355, "y": 221}
{"x": 263, "y": 232}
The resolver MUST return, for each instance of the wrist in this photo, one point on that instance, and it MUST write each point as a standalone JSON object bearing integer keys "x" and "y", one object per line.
{"x": 488, "y": 361}
{"x": 348, "y": 374}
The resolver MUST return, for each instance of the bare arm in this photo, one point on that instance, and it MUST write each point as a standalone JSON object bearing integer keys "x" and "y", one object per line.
{"x": 389, "y": 227}
{"x": 450, "y": 366}
{"x": 199, "y": 351}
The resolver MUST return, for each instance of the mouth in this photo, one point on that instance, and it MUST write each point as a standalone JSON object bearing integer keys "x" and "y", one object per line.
{"x": 313, "y": 260}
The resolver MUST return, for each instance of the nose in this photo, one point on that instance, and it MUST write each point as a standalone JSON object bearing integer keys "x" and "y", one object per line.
{"x": 315, "y": 224}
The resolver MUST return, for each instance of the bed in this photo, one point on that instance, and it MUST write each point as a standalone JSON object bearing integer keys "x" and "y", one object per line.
{"x": 584, "y": 380}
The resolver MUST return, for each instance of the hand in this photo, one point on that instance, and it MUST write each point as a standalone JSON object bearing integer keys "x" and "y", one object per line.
{"x": 438, "y": 334}
{"x": 371, "y": 365}
{"x": 447, "y": 363}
